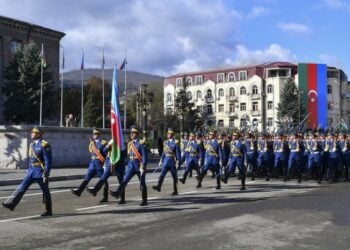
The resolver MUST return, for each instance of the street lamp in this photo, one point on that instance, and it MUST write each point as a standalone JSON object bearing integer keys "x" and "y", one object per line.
{"x": 144, "y": 102}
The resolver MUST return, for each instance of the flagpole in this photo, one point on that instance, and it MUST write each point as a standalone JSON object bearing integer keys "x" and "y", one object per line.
{"x": 103, "y": 88}
{"x": 125, "y": 90}
{"x": 82, "y": 90}
{"x": 61, "y": 121}
{"x": 41, "y": 84}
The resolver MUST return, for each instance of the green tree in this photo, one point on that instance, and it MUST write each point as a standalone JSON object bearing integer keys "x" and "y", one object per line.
{"x": 22, "y": 83}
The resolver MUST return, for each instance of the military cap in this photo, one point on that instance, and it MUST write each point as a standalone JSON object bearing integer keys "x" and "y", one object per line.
{"x": 96, "y": 131}
{"x": 192, "y": 134}
{"x": 212, "y": 132}
{"x": 37, "y": 130}
{"x": 235, "y": 133}
{"x": 170, "y": 131}
{"x": 134, "y": 129}
{"x": 198, "y": 133}
{"x": 185, "y": 133}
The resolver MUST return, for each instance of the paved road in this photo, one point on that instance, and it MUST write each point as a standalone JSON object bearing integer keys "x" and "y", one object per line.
{"x": 267, "y": 215}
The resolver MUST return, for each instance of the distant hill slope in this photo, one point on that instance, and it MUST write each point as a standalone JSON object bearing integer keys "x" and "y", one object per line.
{"x": 133, "y": 79}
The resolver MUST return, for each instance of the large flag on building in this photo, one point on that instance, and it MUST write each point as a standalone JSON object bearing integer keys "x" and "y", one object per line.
{"x": 116, "y": 126}
{"x": 313, "y": 92}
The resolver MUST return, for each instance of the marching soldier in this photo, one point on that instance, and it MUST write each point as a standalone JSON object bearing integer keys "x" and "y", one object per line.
{"x": 236, "y": 158}
{"x": 265, "y": 156}
{"x": 346, "y": 157}
{"x": 137, "y": 163}
{"x": 333, "y": 160}
{"x": 193, "y": 156}
{"x": 294, "y": 160}
{"x": 280, "y": 147}
{"x": 315, "y": 148}
{"x": 212, "y": 160}
{"x": 169, "y": 161}
{"x": 38, "y": 171}
{"x": 251, "y": 154}
{"x": 98, "y": 158}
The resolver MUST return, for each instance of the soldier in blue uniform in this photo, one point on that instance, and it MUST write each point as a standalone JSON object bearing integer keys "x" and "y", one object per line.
{"x": 236, "y": 159}
{"x": 346, "y": 157}
{"x": 137, "y": 163}
{"x": 265, "y": 160}
{"x": 169, "y": 161}
{"x": 98, "y": 158}
{"x": 333, "y": 161}
{"x": 251, "y": 154}
{"x": 280, "y": 148}
{"x": 193, "y": 156}
{"x": 212, "y": 160}
{"x": 315, "y": 149}
{"x": 294, "y": 161}
{"x": 38, "y": 171}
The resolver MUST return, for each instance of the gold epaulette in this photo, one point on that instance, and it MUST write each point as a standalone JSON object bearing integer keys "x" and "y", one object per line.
{"x": 45, "y": 143}
{"x": 143, "y": 141}
{"x": 103, "y": 142}
{"x": 177, "y": 141}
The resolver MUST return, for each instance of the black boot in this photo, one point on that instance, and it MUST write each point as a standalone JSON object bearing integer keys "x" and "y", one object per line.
{"x": 48, "y": 205}
{"x": 243, "y": 182}
{"x": 199, "y": 179}
{"x": 225, "y": 177}
{"x": 190, "y": 174}
{"x": 218, "y": 182}
{"x": 144, "y": 196}
{"x": 175, "y": 189}
{"x": 14, "y": 201}
{"x": 122, "y": 198}
{"x": 96, "y": 188}
{"x": 183, "y": 179}
{"x": 160, "y": 183}
{"x": 80, "y": 189}
{"x": 299, "y": 178}
{"x": 105, "y": 193}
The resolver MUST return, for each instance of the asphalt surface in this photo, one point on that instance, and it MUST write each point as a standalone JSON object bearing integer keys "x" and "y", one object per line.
{"x": 268, "y": 215}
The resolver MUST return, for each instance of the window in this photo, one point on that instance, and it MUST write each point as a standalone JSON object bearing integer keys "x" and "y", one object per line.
{"x": 231, "y": 77}
{"x": 189, "y": 81}
{"x": 221, "y": 123}
{"x": 232, "y": 108}
{"x": 209, "y": 109}
{"x": 221, "y": 77}
{"x": 199, "y": 94}
{"x": 272, "y": 73}
{"x": 283, "y": 72}
{"x": 329, "y": 89}
{"x": 232, "y": 92}
{"x": 332, "y": 74}
{"x": 243, "y": 75}
{"x": 243, "y": 107}
{"x": 221, "y": 93}
{"x": 15, "y": 45}
{"x": 243, "y": 91}
{"x": 269, "y": 121}
{"x": 199, "y": 80}
{"x": 168, "y": 97}
{"x": 209, "y": 93}
{"x": 254, "y": 90}
{"x": 255, "y": 106}
{"x": 269, "y": 105}
{"x": 221, "y": 108}
{"x": 189, "y": 95}
{"x": 179, "y": 82}
{"x": 231, "y": 123}
{"x": 269, "y": 89}
{"x": 168, "y": 111}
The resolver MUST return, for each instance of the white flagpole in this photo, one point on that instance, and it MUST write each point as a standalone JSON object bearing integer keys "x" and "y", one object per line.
{"x": 41, "y": 84}
{"x": 61, "y": 120}
{"x": 125, "y": 90}
{"x": 103, "y": 88}
{"x": 82, "y": 89}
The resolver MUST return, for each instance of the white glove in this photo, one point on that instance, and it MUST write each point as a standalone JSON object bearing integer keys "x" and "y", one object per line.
{"x": 160, "y": 164}
{"x": 142, "y": 169}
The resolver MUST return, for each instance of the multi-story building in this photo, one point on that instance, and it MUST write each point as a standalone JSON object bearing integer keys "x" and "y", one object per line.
{"x": 15, "y": 33}
{"x": 240, "y": 96}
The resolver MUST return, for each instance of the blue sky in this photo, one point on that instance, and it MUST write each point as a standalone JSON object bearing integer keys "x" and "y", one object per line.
{"x": 170, "y": 36}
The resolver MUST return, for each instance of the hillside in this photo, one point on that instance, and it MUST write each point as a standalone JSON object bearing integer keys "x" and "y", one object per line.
{"x": 133, "y": 79}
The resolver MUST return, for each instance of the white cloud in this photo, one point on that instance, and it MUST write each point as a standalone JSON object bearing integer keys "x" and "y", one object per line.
{"x": 337, "y": 4}
{"x": 330, "y": 60}
{"x": 274, "y": 52}
{"x": 294, "y": 28}
{"x": 258, "y": 11}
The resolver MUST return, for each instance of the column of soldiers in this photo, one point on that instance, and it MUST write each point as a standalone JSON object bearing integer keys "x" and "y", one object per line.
{"x": 313, "y": 155}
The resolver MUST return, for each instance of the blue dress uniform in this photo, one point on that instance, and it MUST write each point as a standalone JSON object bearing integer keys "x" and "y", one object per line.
{"x": 334, "y": 158}
{"x": 280, "y": 148}
{"x": 40, "y": 157}
{"x": 236, "y": 159}
{"x": 193, "y": 155}
{"x": 265, "y": 160}
{"x": 212, "y": 160}
{"x": 170, "y": 161}
{"x": 251, "y": 155}
{"x": 346, "y": 157}
{"x": 315, "y": 149}
{"x": 294, "y": 160}
{"x": 98, "y": 157}
{"x": 137, "y": 162}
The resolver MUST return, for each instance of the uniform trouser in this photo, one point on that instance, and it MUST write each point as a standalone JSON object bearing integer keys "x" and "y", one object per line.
{"x": 281, "y": 163}
{"x": 346, "y": 166}
{"x": 294, "y": 163}
{"x": 119, "y": 172}
{"x": 192, "y": 165}
{"x": 252, "y": 162}
{"x": 216, "y": 170}
{"x": 172, "y": 169}
{"x": 235, "y": 161}
{"x": 265, "y": 163}
{"x": 315, "y": 162}
{"x": 131, "y": 171}
{"x": 333, "y": 163}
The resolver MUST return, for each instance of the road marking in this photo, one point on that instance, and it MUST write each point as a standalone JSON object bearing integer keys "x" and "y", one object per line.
{"x": 189, "y": 192}
{"x": 87, "y": 208}
{"x": 20, "y": 218}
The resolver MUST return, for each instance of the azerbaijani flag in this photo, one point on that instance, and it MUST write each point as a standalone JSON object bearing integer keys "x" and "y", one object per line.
{"x": 116, "y": 126}
{"x": 313, "y": 92}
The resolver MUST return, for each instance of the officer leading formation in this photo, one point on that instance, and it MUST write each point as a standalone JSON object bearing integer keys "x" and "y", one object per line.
{"x": 314, "y": 155}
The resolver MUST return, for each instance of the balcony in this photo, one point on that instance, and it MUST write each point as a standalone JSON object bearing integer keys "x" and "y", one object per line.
{"x": 169, "y": 103}
{"x": 255, "y": 97}
{"x": 232, "y": 98}
{"x": 255, "y": 112}
{"x": 232, "y": 114}
{"x": 209, "y": 99}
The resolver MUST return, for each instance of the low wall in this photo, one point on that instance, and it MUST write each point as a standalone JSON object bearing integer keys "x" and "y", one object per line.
{"x": 69, "y": 145}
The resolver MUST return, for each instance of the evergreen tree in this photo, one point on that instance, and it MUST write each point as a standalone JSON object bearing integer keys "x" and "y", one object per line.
{"x": 22, "y": 83}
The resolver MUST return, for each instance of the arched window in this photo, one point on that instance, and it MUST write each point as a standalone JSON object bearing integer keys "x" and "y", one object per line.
{"x": 189, "y": 95}
{"x": 209, "y": 93}
{"x": 232, "y": 92}
{"x": 199, "y": 94}
{"x": 254, "y": 90}
{"x": 269, "y": 89}
{"x": 221, "y": 93}
{"x": 168, "y": 97}
{"x": 189, "y": 81}
{"x": 243, "y": 91}
{"x": 231, "y": 77}
{"x": 329, "y": 89}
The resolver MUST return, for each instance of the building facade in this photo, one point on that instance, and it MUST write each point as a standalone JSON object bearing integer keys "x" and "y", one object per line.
{"x": 249, "y": 96}
{"x": 15, "y": 33}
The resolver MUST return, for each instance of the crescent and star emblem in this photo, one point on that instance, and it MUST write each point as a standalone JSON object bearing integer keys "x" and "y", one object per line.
{"x": 312, "y": 95}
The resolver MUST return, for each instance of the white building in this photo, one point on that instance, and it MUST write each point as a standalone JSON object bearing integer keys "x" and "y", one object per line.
{"x": 250, "y": 95}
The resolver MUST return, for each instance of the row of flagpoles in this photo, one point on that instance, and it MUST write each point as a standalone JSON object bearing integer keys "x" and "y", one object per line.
{"x": 82, "y": 68}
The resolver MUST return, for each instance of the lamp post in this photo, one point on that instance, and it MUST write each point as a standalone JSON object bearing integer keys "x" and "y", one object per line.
{"x": 144, "y": 102}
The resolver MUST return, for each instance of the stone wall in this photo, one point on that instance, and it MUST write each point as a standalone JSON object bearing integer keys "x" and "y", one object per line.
{"x": 69, "y": 145}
